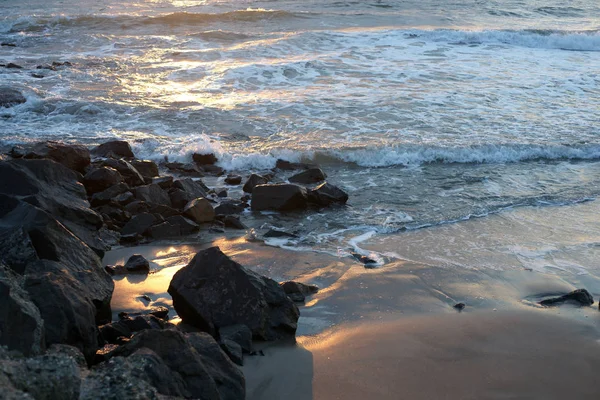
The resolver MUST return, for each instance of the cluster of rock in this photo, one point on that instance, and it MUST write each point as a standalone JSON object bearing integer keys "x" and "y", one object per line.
{"x": 61, "y": 207}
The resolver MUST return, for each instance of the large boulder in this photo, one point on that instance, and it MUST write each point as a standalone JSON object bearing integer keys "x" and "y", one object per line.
{"x": 327, "y": 194}
{"x": 115, "y": 149}
{"x": 148, "y": 169}
{"x": 75, "y": 157}
{"x": 199, "y": 210}
{"x": 312, "y": 175}
{"x": 109, "y": 195}
{"x": 213, "y": 291}
{"x": 193, "y": 188}
{"x": 204, "y": 159}
{"x": 55, "y": 189}
{"x": 130, "y": 175}
{"x": 100, "y": 179}
{"x": 21, "y": 326}
{"x": 152, "y": 194}
{"x": 279, "y": 197}
{"x": 10, "y": 97}
{"x": 253, "y": 181}
{"x": 139, "y": 224}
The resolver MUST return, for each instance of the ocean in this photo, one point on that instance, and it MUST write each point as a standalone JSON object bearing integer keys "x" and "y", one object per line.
{"x": 466, "y": 132}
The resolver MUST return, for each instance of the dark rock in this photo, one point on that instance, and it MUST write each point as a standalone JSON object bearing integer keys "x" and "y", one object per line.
{"x": 68, "y": 351}
{"x": 100, "y": 179}
{"x": 185, "y": 225}
{"x": 137, "y": 207}
{"x": 245, "y": 198}
{"x": 13, "y": 66}
{"x": 139, "y": 224}
{"x": 213, "y": 170}
{"x": 298, "y": 291}
{"x": 130, "y": 175}
{"x": 163, "y": 211}
{"x": 221, "y": 192}
{"x": 152, "y": 194}
{"x": 272, "y": 233}
{"x": 109, "y": 195}
{"x": 194, "y": 188}
{"x": 8, "y": 44}
{"x": 199, "y": 210}
{"x": 213, "y": 291}
{"x": 179, "y": 198}
{"x": 137, "y": 264}
{"x": 75, "y": 157}
{"x": 233, "y": 351}
{"x": 233, "y": 180}
{"x": 279, "y": 197}
{"x": 21, "y": 326}
{"x": 326, "y": 194}
{"x": 142, "y": 322}
{"x": 10, "y": 97}
{"x": 164, "y": 182}
{"x": 116, "y": 214}
{"x": 312, "y": 175}
{"x": 185, "y": 169}
{"x": 290, "y": 166}
{"x": 367, "y": 261}
{"x": 113, "y": 332}
{"x": 118, "y": 148}
{"x": 253, "y": 181}
{"x": 204, "y": 159}
{"x": 240, "y": 334}
{"x": 459, "y": 306}
{"x": 124, "y": 198}
{"x": 229, "y": 207}
{"x": 234, "y": 222}
{"x": 164, "y": 231}
{"x": 580, "y": 296}
{"x": 148, "y": 169}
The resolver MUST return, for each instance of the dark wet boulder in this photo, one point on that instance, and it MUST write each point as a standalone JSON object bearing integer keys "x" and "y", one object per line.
{"x": 137, "y": 264}
{"x": 239, "y": 333}
{"x": 233, "y": 351}
{"x": 229, "y": 207}
{"x": 367, "y": 261}
{"x": 327, "y": 194}
{"x": 290, "y": 166}
{"x": 253, "y": 181}
{"x": 21, "y": 326}
{"x": 179, "y": 198}
{"x": 279, "y": 197}
{"x": 194, "y": 188}
{"x": 189, "y": 169}
{"x": 220, "y": 192}
{"x": 114, "y": 213}
{"x": 148, "y": 169}
{"x": 272, "y": 233}
{"x": 232, "y": 221}
{"x": 100, "y": 179}
{"x": 139, "y": 224}
{"x": 312, "y": 175}
{"x": 115, "y": 149}
{"x": 109, "y": 195}
{"x": 10, "y": 97}
{"x": 185, "y": 225}
{"x": 298, "y": 291}
{"x": 165, "y": 230}
{"x": 13, "y": 66}
{"x": 213, "y": 170}
{"x": 165, "y": 182}
{"x": 137, "y": 207}
{"x": 233, "y": 180}
{"x": 130, "y": 175}
{"x": 580, "y": 297}
{"x": 152, "y": 194}
{"x": 75, "y": 157}
{"x": 199, "y": 210}
{"x": 204, "y": 159}
{"x": 114, "y": 332}
{"x": 142, "y": 322}
{"x": 213, "y": 291}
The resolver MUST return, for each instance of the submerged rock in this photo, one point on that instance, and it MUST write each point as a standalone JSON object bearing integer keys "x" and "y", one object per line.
{"x": 10, "y": 97}
{"x": 137, "y": 264}
{"x": 580, "y": 296}
{"x": 327, "y": 194}
{"x": 213, "y": 291}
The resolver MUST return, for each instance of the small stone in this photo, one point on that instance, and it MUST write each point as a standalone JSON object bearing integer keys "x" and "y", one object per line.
{"x": 459, "y": 306}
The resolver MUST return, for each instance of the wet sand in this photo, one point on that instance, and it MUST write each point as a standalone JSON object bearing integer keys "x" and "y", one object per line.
{"x": 391, "y": 332}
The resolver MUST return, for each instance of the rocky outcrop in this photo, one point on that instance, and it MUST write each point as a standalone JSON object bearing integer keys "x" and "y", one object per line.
{"x": 75, "y": 157}
{"x": 10, "y": 97}
{"x": 579, "y": 297}
{"x": 280, "y": 197}
{"x": 312, "y": 175}
{"x": 148, "y": 169}
{"x": 114, "y": 149}
{"x": 213, "y": 291}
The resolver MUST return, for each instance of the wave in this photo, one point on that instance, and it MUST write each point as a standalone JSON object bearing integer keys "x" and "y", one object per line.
{"x": 587, "y": 40}
{"x": 42, "y": 23}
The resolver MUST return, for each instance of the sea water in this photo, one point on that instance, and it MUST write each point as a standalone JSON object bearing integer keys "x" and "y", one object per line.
{"x": 466, "y": 132}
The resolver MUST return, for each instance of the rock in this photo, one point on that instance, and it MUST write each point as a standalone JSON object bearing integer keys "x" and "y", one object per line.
{"x": 75, "y": 157}
{"x": 137, "y": 207}
{"x": 253, "y": 181}
{"x": 52, "y": 376}
{"x": 21, "y": 326}
{"x": 108, "y": 195}
{"x": 152, "y": 194}
{"x": 272, "y": 233}
{"x": 233, "y": 180}
{"x": 164, "y": 231}
{"x": 142, "y": 322}
{"x": 229, "y": 207}
{"x": 290, "y": 166}
{"x": 580, "y": 296}
{"x": 124, "y": 198}
{"x": 234, "y": 222}
{"x": 179, "y": 198}
{"x": 55, "y": 189}
{"x": 165, "y": 182}
{"x": 199, "y": 367}
{"x": 213, "y": 170}
{"x": 115, "y": 148}
{"x": 312, "y": 175}
{"x": 213, "y": 291}
{"x": 130, "y": 175}
{"x": 139, "y": 224}
{"x": 326, "y": 194}
{"x": 204, "y": 159}
{"x": 70, "y": 352}
{"x": 10, "y": 97}
{"x": 239, "y": 333}
{"x": 194, "y": 188}
{"x": 199, "y": 210}
{"x": 148, "y": 169}
{"x": 13, "y": 66}
{"x": 185, "y": 169}
{"x": 186, "y": 226}
{"x": 163, "y": 211}
{"x": 279, "y": 197}
{"x": 137, "y": 264}
{"x": 459, "y": 306}
{"x": 221, "y": 192}
{"x": 367, "y": 261}
{"x": 113, "y": 332}
{"x": 100, "y": 179}
{"x": 233, "y": 351}
{"x": 298, "y": 291}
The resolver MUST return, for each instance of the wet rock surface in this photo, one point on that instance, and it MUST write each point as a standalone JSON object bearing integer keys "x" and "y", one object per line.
{"x": 579, "y": 297}
{"x": 10, "y": 97}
